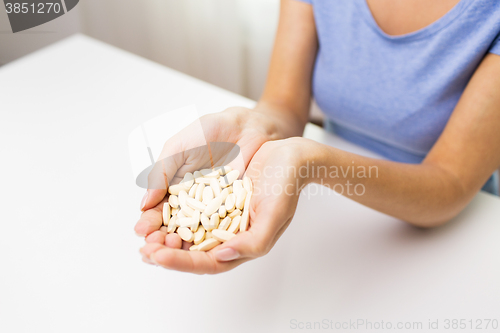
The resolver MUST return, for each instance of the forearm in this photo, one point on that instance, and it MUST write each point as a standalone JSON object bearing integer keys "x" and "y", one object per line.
{"x": 422, "y": 194}
{"x": 287, "y": 94}
{"x": 457, "y": 166}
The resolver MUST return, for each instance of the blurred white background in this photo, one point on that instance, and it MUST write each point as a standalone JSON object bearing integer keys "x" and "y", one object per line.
{"x": 224, "y": 42}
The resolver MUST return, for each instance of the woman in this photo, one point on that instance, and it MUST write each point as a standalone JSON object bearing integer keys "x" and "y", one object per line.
{"x": 417, "y": 81}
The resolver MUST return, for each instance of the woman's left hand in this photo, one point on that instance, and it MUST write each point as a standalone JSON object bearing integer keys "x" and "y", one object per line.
{"x": 274, "y": 171}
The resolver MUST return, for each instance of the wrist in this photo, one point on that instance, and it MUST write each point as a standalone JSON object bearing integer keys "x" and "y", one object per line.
{"x": 314, "y": 153}
{"x": 307, "y": 157}
{"x": 253, "y": 124}
{"x": 285, "y": 123}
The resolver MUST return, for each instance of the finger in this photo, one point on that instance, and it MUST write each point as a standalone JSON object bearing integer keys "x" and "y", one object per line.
{"x": 156, "y": 237}
{"x": 173, "y": 241}
{"x": 186, "y": 245}
{"x": 151, "y": 220}
{"x": 149, "y": 248}
{"x": 162, "y": 174}
{"x": 147, "y": 261}
{"x": 191, "y": 261}
{"x": 254, "y": 243}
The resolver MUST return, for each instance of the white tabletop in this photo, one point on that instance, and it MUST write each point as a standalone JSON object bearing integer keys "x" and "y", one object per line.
{"x": 69, "y": 257}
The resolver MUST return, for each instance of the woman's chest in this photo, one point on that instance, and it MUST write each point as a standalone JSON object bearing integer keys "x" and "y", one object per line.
{"x": 399, "y": 17}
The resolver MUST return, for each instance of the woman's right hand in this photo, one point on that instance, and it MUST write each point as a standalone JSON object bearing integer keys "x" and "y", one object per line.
{"x": 246, "y": 128}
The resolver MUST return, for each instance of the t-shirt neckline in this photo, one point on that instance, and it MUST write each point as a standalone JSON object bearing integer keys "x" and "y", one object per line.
{"x": 432, "y": 28}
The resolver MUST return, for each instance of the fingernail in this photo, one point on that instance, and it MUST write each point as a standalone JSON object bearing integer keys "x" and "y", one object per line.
{"x": 152, "y": 258}
{"x": 227, "y": 254}
{"x": 146, "y": 260}
{"x": 144, "y": 199}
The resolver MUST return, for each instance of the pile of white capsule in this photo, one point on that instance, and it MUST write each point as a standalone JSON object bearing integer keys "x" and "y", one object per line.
{"x": 208, "y": 207}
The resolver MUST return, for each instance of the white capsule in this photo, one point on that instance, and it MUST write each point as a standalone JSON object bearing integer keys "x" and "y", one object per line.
{"x": 185, "y": 222}
{"x": 173, "y": 222}
{"x": 208, "y": 244}
{"x": 224, "y": 224}
{"x": 222, "y": 235}
{"x": 188, "y": 180}
{"x": 224, "y": 193}
{"x": 213, "y": 206}
{"x": 222, "y": 211}
{"x": 193, "y": 248}
{"x": 229, "y": 178}
{"x": 205, "y": 221}
{"x": 245, "y": 217}
{"x": 246, "y": 206}
{"x": 185, "y": 234}
{"x": 195, "y": 204}
{"x": 214, "y": 221}
{"x": 208, "y": 234}
{"x": 173, "y": 201}
{"x": 195, "y": 221}
{"x": 187, "y": 211}
{"x": 199, "y": 192}
{"x": 214, "y": 174}
{"x": 237, "y": 186}
{"x": 182, "y": 198}
{"x": 219, "y": 169}
{"x": 240, "y": 199}
{"x": 208, "y": 195}
{"x": 172, "y": 225}
{"x": 235, "y": 213}
{"x": 230, "y": 202}
{"x": 203, "y": 180}
{"x": 180, "y": 215}
{"x": 199, "y": 235}
{"x": 235, "y": 225}
{"x": 244, "y": 221}
{"x": 205, "y": 171}
{"x": 171, "y": 229}
{"x": 209, "y": 173}
{"x": 166, "y": 213}
{"x": 175, "y": 189}
{"x": 223, "y": 169}
{"x": 214, "y": 184}
{"x": 247, "y": 184}
{"x": 192, "y": 190}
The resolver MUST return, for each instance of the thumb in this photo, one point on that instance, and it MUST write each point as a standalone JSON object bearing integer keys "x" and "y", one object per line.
{"x": 254, "y": 243}
{"x": 159, "y": 177}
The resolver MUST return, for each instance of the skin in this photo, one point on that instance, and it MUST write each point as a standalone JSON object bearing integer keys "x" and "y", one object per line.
{"x": 396, "y": 17}
{"x": 425, "y": 195}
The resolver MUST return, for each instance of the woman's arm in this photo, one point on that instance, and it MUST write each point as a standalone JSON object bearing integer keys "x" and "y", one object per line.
{"x": 287, "y": 94}
{"x": 461, "y": 161}
{"x": 428, "y": 194}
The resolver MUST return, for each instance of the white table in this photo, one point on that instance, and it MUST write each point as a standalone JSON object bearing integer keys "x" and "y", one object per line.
{"x": 69, "y": 257}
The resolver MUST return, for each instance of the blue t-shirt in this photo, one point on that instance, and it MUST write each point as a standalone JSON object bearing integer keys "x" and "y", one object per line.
{"x": 394, "y": 95}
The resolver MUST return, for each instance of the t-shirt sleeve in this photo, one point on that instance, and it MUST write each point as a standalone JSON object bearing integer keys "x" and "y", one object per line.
{"x": 495, "y": 47}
